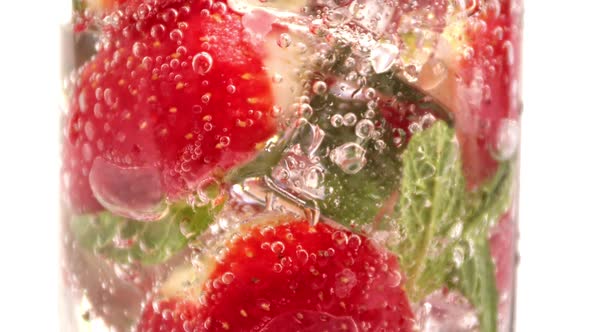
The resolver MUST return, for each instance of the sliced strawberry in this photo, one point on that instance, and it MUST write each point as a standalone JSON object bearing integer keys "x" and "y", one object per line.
{"x": 174, "y": 90}
{"x": 294, "y": 277}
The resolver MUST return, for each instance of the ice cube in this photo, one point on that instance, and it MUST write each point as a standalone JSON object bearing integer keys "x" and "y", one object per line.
{"x": 132, "y": 192}
{"x": 444, "y": 311}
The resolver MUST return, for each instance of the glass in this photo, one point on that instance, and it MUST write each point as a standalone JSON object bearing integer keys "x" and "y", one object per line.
{"x": 290, "y": 165}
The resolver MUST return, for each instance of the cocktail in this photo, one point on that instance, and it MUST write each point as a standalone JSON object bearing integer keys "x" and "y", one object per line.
{"x": 290, "y": 165}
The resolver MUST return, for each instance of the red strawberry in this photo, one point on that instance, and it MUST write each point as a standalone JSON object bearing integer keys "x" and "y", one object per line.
{"x": 495, "y": 62}
{"x": 174, "y": 92}
{"x": 481, "y": 88}
{"x": 294, "y": 277}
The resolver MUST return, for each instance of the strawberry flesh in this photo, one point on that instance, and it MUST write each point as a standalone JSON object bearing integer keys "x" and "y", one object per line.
{"x": 179, "y": 89}
{"x": 298, "y": 277}
{"x": 486, "y": 88}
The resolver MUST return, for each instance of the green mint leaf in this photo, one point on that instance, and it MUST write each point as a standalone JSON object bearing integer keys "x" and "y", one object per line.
{"x": 430, "y": 207}
{"x": 444, "y": 227}
{"x": 477, "y": 282}
{"x": 127, "y": 241}
{"x": 490, "y": 201}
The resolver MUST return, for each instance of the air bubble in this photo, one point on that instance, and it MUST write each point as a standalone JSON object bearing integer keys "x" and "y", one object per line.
{"x": 349, "y": 119}
{"x": 364, "y": 129}
{"x": 320, "y": 87}
{"x": 139, "y": 49}
{"x": 227, "y": 278}
{"x": 284, "y": 40}
{"x": 277, "y": 247}
{"x": 202, "y": 63}
{"x": 336, "y": 120}
{"x": 176, "y": 35}
{"x": 157, "y": 31}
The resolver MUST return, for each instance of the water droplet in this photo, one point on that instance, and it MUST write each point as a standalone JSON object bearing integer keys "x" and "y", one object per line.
{"x": 231, "y": 89}
{"x": 350, "y": 157}
{"x": 284, "y": 40}
{"x": 133, "y": 192}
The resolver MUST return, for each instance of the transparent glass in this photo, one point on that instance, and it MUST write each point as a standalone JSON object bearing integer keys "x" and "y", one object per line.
{"x": 290, "y": 165}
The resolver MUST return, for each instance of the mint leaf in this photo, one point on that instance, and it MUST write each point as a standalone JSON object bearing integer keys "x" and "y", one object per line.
{"x": 430, "y": 206}
{"x": 490, "y": 201}
{"x": 127, "y": 241}
{"x": 444, "y": 227}
{"x": 477, "y": 282}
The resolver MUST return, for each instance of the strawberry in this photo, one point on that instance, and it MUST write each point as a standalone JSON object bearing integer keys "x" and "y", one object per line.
{"x": 293, "y": 277}
{"x": 479, "y": 87}
{"x": 175, "y": 91}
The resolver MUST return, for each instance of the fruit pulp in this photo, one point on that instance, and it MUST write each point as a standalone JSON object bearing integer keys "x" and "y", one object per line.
{"x": 290, "y": 165}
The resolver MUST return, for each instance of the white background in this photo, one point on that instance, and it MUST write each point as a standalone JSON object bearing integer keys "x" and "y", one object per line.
{"x": 554, "y": 278}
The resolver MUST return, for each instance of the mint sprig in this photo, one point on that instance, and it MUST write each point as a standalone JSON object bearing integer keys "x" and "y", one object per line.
{"x": 429, "y": 208}
{"x": 125, "y": 241}
{"x": 444, "y": 226}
